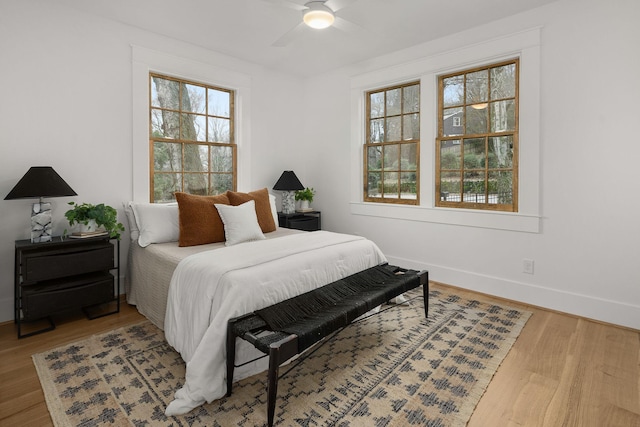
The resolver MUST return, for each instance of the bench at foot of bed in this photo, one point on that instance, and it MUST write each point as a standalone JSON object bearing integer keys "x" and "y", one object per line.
{"x": 290, "y": 327}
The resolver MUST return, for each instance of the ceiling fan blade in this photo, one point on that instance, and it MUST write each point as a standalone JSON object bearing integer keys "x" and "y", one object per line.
{"x": 287, "y": 37}
{"x": 336, "y": 5}
{"x": 346, "y": 26}
{"x": 285, "y": 3}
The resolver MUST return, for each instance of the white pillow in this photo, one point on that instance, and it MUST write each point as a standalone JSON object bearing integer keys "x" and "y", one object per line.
{"x": 240, "y": 223}
{"x": 157, "y": 222}
{"x": 274, "y": 209}
{"x": 134, "y": 233}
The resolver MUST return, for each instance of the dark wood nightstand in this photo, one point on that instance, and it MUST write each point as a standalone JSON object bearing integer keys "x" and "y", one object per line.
{"x": 307, "y": 221}
{"x": 60, "y": 275}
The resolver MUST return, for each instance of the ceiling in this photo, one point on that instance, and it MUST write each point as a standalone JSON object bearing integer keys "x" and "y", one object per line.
{"x": 247, "y": 29}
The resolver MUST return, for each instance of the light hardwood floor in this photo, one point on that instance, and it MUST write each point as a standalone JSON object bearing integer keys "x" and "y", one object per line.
{"x": 562, "y": 371}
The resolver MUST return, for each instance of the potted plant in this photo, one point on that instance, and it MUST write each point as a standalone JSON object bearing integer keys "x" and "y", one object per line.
{"x": 93, "y": 217}
{"x": 306, "y": 197}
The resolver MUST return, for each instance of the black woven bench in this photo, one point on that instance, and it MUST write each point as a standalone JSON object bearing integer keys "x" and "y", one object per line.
{"x": 290, "y": 327}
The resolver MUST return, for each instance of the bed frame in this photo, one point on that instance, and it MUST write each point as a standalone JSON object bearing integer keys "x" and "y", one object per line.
{"x": 290, "y": 327}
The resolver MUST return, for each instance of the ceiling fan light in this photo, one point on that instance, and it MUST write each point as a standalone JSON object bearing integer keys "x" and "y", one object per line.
{"x": 318, "y": 15}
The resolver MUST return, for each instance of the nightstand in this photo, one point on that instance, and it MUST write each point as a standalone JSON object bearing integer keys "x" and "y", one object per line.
{"x": 65, "y": 274}
{"x": 307, "y": 221}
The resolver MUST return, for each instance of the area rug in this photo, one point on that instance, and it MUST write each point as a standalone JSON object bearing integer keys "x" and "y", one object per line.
{"x": 393, "y": 369}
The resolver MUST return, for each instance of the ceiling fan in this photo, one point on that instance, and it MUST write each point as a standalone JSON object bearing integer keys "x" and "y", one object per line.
{"x": 317, "y": 14}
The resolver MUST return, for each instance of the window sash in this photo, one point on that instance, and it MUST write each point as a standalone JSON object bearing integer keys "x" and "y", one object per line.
{"x": 191, "y": 147}
{"x": 484, "y": 177}
{"x": 391, "y": 155}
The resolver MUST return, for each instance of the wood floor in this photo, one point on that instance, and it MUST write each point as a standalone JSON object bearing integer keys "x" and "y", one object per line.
{"x": 562, "y": 371}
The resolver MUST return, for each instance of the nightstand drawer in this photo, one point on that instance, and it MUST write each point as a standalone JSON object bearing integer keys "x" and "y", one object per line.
{"x": 67, "y": 262}
{"x": 64, "y": 294}
{"x": 306, "y": 223}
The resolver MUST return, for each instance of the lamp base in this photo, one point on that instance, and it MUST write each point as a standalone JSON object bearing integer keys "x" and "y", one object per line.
{"x": 41, "y": 227}
{"x": 288, "y": 202}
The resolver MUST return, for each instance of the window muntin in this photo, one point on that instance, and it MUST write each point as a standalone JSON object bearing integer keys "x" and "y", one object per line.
{"x": 391, "y": 149}
{"x": 477, "y": 143}
{"x": 191, "y": 138}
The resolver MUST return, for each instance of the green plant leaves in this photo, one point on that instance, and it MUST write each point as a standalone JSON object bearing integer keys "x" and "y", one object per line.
{"x": 104, "y": 216}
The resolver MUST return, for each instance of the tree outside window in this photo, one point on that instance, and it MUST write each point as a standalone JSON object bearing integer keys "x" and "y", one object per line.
{"x": 391, "y": 149}
{"x": 477, "y": 143}
{"x": 191, "y": 138}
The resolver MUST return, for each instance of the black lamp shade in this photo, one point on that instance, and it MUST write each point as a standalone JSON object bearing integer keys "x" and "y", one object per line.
{"x": 288, "y": 181}
{"x": 40, "y": 181}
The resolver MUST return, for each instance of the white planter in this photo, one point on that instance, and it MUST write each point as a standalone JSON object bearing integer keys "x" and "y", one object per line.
{"x": 88, "y": 228}
{"x": 304, "y": 205}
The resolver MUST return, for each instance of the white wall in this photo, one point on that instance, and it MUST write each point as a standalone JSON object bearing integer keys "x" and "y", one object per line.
{"x": 586, "y": 250}
{"x": 66, "y": 102}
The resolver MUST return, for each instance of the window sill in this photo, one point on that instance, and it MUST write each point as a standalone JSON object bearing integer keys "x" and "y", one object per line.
{"x": 464, "y": 217}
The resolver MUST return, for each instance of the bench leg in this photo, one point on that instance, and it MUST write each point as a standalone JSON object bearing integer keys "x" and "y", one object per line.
{"x": 425, "y": 293}
{"x": 424, "y": 281}
{"x": 279, "y": 352}
{"x": 272, "y": 383}
{"x": 231, "y": 356}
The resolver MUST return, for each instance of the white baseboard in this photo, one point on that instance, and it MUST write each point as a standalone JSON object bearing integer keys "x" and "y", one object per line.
{"x": 604, "y": 310}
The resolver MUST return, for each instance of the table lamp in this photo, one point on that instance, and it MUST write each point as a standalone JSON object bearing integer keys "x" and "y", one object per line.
{"x": 288, "y": 183}
{"x": 39, "y": 182}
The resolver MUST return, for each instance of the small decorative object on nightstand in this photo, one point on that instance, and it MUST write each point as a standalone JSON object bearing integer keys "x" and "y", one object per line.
{"x": 307, "y": 221}
{"x": 306, "y": 197}
{"x": 65, "y": 274}
{"x": 94, "y": 220}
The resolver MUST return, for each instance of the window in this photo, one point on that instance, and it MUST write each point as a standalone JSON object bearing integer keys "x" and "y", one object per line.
{"x": 192, "y": 144}
{"x": 391, "y": 149}
{"x": 453, "y": 58}
{"x": 477, "y": 143}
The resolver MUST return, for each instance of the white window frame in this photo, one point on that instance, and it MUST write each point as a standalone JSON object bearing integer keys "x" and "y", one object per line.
{"x": 146, "y": 61}
{"x": 524, "y": 45}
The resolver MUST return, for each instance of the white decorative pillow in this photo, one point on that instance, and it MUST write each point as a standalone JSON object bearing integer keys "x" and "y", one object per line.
{"x": 274, "y": 209}
{"x": 157, "y": 222}
{"x": 240, "y": 223}
{"x": 134, "y": 233}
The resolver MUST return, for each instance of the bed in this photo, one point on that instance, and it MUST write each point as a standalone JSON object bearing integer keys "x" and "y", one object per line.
{"x": 192, "y": 291}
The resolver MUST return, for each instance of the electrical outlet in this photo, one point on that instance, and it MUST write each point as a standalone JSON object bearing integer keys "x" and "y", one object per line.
{"x": 527, "y": 266}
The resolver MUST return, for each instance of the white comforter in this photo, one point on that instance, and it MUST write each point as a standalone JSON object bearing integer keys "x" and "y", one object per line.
{"x": 209, "y": 288}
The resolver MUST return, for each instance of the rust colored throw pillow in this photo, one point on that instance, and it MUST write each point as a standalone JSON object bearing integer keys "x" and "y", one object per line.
{"x": 199, "y": 219}
{"x": 263, "y": 206}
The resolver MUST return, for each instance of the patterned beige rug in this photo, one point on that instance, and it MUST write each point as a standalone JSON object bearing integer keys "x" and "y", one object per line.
{"x": 393, "y": 369}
